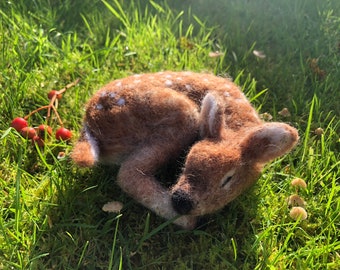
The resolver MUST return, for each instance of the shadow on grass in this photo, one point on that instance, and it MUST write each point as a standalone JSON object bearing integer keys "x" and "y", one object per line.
{"x": 77, "y": 234}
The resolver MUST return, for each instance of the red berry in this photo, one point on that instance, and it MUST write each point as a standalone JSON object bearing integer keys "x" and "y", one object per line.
{"x": 19, "y": 123}
{"x": 63, "y": 134}
{"x": 53, "y": 93}
{"x": 28, "y": 132}
{"x": 39, "y": 141}
{"x": 44, "y": 130}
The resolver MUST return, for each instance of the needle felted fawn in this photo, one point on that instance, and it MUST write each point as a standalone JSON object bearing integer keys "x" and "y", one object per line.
{"x": 143, "y": 121}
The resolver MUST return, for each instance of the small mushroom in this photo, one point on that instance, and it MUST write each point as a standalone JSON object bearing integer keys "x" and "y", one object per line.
{"x": 266, "y": 116}
{"x": 298, "y": 212}
{"x": 112, "y": 207}
{"x": 259, "y": 54}
{"x": 61, "y": 155}
{"x": 296, "y": 200}
{"x": 215, "y": 54}
{"x": 284, "y": 112}
{"x": 298, "y": 182}
{"x": 319, "y": 131}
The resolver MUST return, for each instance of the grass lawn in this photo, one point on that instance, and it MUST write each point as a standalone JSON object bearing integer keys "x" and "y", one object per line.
{"x": 51, "y": 211}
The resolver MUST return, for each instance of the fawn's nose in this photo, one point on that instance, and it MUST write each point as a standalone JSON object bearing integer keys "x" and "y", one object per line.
{"x": 181, "y": 202}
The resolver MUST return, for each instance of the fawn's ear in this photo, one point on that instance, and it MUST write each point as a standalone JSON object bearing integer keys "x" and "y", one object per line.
{"x": 212, "y": 117}
{"x": 268, "y": 142}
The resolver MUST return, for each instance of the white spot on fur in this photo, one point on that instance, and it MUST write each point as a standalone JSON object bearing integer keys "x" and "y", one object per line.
{"x": 168, "y": 76}
{"x": 103, "y": 94}
{"x": 168, "y": 83}
{"x": 99, "y": 106}
{"x": 119, "y": 84}
{"x": 226, "y": 94}
{"x": 112, "y": 95}
{"x": 93, "y": 143}
{"x": 136, "y": 81}
{"x": 121, "y": 102}
{"x": 241, "y": 100}
{"x": 179, "y": 79}
{"x": 188, "y": 87}
{"x": 228, "y": 86}
{"x": 136, "y": 75}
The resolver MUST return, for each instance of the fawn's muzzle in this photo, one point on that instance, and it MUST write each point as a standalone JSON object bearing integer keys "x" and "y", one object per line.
{"x": 181, "y": 202}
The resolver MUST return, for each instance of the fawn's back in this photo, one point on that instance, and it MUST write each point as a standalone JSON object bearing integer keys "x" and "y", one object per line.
{"x": 158, "y": 106}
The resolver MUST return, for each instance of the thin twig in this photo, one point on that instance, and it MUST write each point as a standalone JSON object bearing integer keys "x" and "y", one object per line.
{"x": 57, "y": 115}
{"x": 36, "y": 110}
{"x": 54, "y": 100}
{"x": 68, "y": 86}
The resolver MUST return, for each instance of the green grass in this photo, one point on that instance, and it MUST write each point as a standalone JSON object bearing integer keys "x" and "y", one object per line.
{"x": 51, "y": 215}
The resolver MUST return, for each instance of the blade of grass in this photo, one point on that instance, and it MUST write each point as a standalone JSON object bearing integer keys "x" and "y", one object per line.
{"x": 82, "y": 255}
{"x": 119, "y": 13}
{"x": 113, "y": 247}
{"x": 308, "y": 129}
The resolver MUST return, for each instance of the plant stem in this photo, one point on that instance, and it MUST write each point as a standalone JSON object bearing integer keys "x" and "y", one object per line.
{"x": 68, "y": 86}
{"x": 36, "y": 110}
{"x": 53, "y": 101}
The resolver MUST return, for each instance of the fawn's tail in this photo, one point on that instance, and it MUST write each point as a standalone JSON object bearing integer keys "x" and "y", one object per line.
{"x": 85, "y": 151}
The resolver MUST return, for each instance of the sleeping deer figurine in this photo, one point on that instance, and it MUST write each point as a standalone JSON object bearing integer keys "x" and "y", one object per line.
{"x": 143, "y": 121}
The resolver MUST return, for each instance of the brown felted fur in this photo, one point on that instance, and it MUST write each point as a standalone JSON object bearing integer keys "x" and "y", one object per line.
{"x": 143, "y": 121}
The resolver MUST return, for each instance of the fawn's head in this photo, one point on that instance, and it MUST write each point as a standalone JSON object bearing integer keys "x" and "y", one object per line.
{"x": 226, "y": 162}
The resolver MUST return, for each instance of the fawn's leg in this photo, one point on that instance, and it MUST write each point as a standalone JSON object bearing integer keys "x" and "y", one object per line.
{"x": 136, "y": 178}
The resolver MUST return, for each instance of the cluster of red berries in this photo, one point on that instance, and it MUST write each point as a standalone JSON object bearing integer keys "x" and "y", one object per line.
{"x": 42, "y": 132}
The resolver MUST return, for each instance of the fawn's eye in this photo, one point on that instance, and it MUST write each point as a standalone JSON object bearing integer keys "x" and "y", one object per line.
{"x": 227, "y": 177}
{"x": 226, "y": 181}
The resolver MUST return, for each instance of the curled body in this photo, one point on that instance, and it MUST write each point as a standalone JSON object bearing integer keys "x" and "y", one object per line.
{"x": 142, "y": 121}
